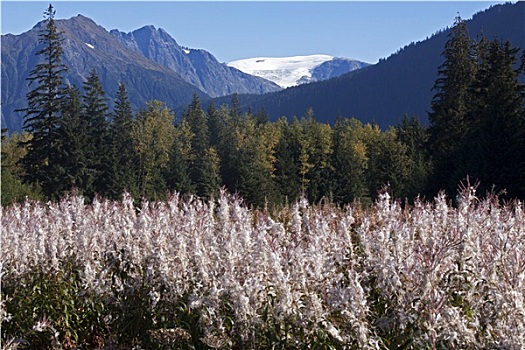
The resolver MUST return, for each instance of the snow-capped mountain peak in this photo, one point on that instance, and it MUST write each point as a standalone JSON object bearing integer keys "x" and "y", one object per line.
{"x": 294, "y": 70}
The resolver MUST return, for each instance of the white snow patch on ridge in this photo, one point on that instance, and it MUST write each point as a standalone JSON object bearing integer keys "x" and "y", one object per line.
{"x": 90, "y": 46}
{"x": 284, "y": 71}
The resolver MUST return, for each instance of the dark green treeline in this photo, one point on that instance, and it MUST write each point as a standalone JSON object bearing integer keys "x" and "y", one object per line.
{"x": 74, "y": 142}
{"x": 478, "y": 115}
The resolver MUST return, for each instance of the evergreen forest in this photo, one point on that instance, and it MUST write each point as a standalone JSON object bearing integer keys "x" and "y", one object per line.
{"x": 73, "y": 143}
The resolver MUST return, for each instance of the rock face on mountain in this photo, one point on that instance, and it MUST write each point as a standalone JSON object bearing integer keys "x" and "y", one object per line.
{"x": 197, "y": 67}
{"x": 335, "y": 67}
{"x": 148, "y": 65}
{"x": 86, "y": 46}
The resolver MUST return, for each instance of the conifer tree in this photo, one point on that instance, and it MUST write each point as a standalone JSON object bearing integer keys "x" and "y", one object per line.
{"x": 42, "y": 116}
{"x": 228, "y": 150}
{"x": 177, "y": 174}
{"x": 450, "y": 106}
{"x": 123, "y": 157}
{"x": 388, "y": 164}
{"x": 497, "y": 141}
{"x": 262, "y": 116}
{"x": 287, "y": 165}
{"x": 95, "y": 113}
{"x": 315, "y": 157}
{"x": 215, "y": 125}
{"x": 235, "y": 111}
{"x": 256, "y": 154}
{"x": 74, "y": 140}
{"x": 204, "y": 165}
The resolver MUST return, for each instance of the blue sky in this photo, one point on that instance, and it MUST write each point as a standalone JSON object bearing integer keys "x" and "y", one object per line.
{"x": 364, "y": 30}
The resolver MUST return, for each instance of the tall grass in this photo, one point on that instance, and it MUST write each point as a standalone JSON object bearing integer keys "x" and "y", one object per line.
{"x": 190, "y": 274}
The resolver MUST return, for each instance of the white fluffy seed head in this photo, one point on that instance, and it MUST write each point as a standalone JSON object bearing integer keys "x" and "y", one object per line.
{"x": 450, "y": 272}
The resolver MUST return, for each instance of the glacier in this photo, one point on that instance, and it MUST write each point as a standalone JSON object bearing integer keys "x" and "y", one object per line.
{"x": 284, "y": 71}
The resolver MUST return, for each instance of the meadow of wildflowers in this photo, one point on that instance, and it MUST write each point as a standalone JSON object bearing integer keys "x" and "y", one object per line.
{"x": 192, "y": 274}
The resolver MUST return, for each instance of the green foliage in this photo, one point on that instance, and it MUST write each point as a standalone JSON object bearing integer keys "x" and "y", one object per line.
{"x": 178, "y": 174}
{"x": 204, "y": 162}
{"x": 222, "y": 135}
{"x": 315, "y": 150}
{"x": 153, "y": 138}
{"x": 497, "y": 137}
{"x": 65, "y": 314}
{"x": 97, "y": 150}
{"x": 478, "y": 116}
{"x": 350, "y": 161}
{"x": 42, "y": 116}
{"x": 74, "y": 142}
{"x": 256, "y": 143}
{"x": 450, "y": 106}
{"x": 414, "y": 136}
{"x": 477, "y": 129}
{"x": 12, "y": 189}
{"x": 389, "y": 163}
{"x": 123, "y": 168}
{"x": 287, "y": 163}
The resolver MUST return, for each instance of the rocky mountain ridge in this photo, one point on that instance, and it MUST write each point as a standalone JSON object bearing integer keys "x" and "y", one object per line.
{"x": 146, "y": 74}
{"x": 196, "y": 66}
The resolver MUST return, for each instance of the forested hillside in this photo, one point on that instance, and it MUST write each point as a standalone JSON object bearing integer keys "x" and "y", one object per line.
{"x": 398, "y": 85}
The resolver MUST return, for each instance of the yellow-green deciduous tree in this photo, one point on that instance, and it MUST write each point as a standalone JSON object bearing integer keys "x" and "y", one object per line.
{"x": 256, "y": 143}
{"x": 12, "y": 188}
{"x": 153, "y": 136}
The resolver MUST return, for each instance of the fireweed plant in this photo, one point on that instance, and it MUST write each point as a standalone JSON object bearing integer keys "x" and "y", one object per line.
{"x": 192, "y": 274}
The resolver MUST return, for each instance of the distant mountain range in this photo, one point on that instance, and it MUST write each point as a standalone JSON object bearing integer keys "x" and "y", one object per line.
{"x": 87, "y": 46}
{"x": 197, "y": 67}
{"x": 296, "y": 70}
{"x": 384, "y": 92}
{"x": 154, "y": 66}
{"x": 149, "y": 61}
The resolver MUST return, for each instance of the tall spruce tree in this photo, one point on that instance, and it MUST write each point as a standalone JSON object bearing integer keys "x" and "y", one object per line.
{"x": 73, "y": 144}
{"x": 315, "y": 157}
{"x": 497, "y": 140}
{"x": 235, "y": 111}
{"x": 227, "y": 149}
{"x": 287, "y": 165}
{"x": 177, "y": 174}
{"x": 42, "y": 116}
{"x": 388, "y": 164}
{"x": 450, "y": 107}
{"x": 95, "y": 110}
{"x": 204, "y": 164}
{"x": 215, "y": 125}
{"x": 122, "y": 154}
